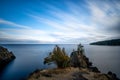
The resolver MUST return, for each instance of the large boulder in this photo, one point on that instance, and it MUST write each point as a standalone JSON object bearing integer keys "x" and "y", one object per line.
{"x": 5, "y": 57}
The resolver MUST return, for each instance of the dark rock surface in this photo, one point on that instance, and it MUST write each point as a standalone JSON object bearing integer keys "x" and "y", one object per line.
{"x": 78, "y": 58}
{"x": 5, "y": 57}
{"x": 94, "y": 69}
{"x": 113, "y": 76}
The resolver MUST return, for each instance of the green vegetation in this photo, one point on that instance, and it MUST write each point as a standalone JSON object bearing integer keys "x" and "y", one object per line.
{"x": 59, "y": 57}
{"x": 80, "y": 48}
{"x": 113, "y": 42}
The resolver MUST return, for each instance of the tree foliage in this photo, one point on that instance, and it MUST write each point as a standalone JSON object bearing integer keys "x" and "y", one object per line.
{"x": 59, "y": 57}
{"x": 80, "y": 48}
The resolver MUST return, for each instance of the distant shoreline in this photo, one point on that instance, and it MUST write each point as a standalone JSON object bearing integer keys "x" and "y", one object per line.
{"x": 113, "y": 42}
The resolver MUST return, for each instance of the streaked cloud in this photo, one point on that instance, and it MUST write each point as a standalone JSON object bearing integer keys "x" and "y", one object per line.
{"x": 76, "y": 22}
{"x": 2, "y": 21}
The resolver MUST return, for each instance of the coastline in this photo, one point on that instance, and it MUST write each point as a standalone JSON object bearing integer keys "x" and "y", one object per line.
{"x": 5, "y": 57}
{"x": 80, "y": 69}
{"x": 70, "y": 73}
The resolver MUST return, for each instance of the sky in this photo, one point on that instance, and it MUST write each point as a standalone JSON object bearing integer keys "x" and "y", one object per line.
{"x": 58, "y": 21}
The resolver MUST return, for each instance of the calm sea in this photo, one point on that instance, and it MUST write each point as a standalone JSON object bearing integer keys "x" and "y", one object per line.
{"x": 30, "y": 57}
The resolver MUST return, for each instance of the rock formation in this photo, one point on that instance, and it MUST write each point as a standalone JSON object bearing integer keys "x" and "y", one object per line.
{"x": 5, "y": 57}
{"x": 78, "y": 58}
{"x": 81, "y": 69}
{"x": 70, "y": 73}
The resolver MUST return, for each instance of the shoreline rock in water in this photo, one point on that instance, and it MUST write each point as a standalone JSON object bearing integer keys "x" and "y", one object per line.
{"x": 5, "y": 57}
{"x": 81, "y": 69}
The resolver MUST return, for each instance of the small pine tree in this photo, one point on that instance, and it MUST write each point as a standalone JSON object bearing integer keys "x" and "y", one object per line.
{"x": 80, "y": 48}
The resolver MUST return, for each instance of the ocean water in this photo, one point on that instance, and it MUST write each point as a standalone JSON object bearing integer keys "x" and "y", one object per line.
{"x": 30, "y": 57}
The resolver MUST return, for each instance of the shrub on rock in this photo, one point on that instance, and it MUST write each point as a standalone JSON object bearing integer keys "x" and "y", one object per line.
{"x": 59, "y": 57}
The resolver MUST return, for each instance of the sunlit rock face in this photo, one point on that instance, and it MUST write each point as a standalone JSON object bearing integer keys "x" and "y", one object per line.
{"x": 5, "y": 57}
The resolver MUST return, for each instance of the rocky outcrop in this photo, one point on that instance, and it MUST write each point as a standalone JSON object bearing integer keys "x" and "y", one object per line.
{"x": 57, "y": 74}
{"x": 70, "y": 73}
{"x": 78, "y": 58}
{"x": 5, "y": 57}
{"x": 93, "y": 69}
{"x": 81, "y": 69}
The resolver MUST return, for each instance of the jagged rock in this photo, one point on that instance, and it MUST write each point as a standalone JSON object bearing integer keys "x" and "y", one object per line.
{"x": 69, "y": 74}
{"x": 94, "y": 69}
{"x": 5, "y": 57}
{"x": 112, "y": 75}
{"x": 78, "y": 59}
{"x": 100, "y": 76}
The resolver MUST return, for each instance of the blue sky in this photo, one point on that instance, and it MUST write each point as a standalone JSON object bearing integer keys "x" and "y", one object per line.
{"x": 58, "y": 21}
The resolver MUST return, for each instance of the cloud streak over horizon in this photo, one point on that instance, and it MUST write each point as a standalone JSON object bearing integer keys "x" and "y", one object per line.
{"x": 60, "y": 21}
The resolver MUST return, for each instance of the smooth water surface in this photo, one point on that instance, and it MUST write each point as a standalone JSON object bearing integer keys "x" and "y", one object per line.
{"x": 30, "y": 57}
{"x": 106, "y": 58}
